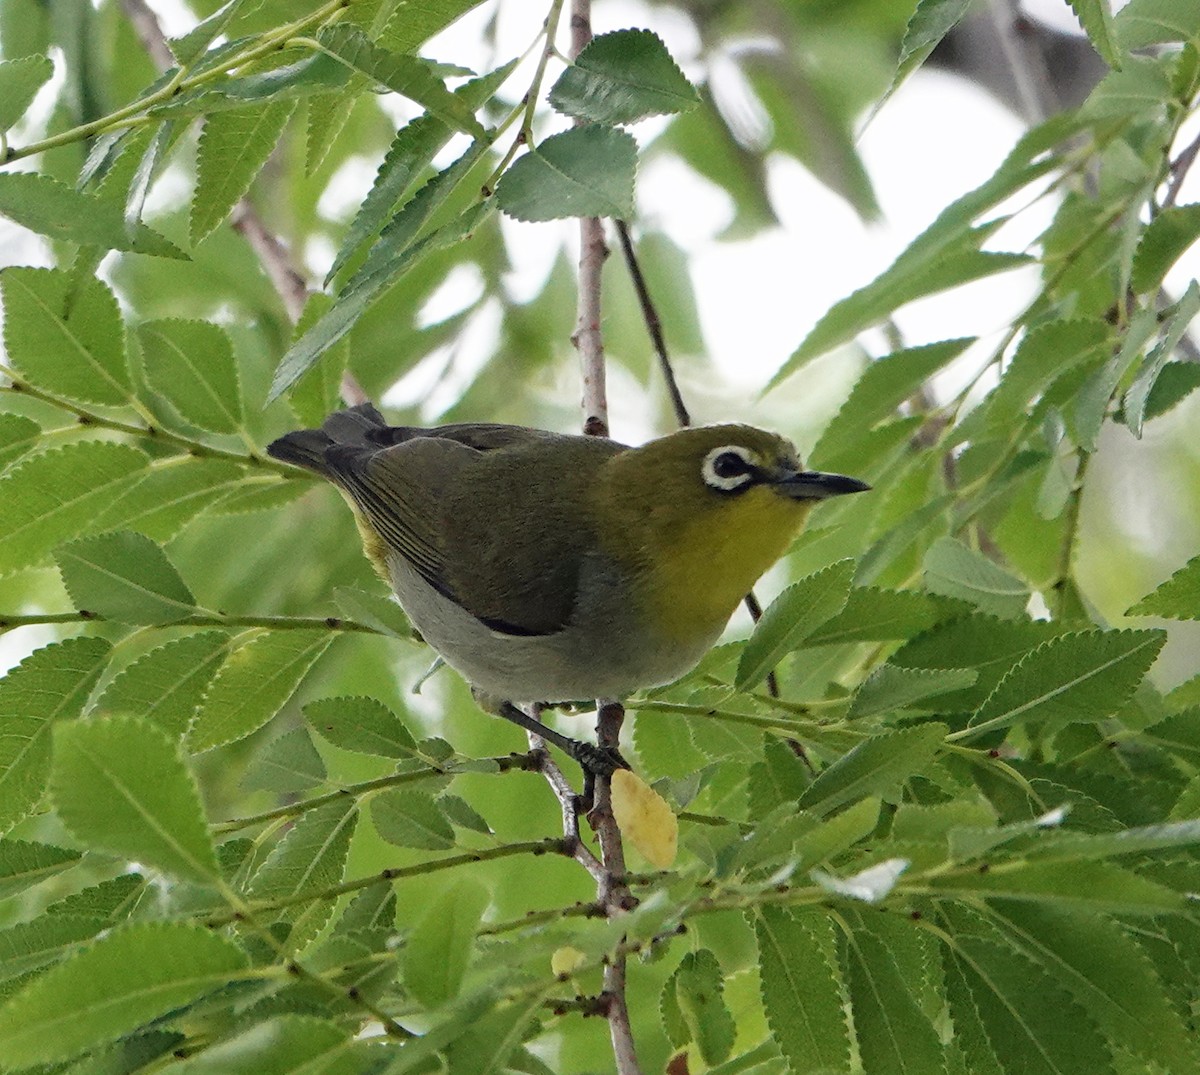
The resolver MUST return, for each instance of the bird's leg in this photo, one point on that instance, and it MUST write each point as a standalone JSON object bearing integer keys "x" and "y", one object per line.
{"x": 602, "y": 761}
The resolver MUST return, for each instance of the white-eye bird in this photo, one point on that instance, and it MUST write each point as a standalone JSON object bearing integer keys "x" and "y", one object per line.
{"x": 546, "y": 567}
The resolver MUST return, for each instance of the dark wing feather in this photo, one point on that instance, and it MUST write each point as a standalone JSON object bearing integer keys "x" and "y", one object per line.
{"x": 465, "y": 505}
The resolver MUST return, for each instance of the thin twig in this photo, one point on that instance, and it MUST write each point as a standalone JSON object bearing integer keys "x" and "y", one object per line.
{"x": 1027, "y": 65}
{"x": 9, "y": 621}
{"x": 285, "y": 276}
{"x": 1180, "y": 167}
{"x": 653, "y": 325}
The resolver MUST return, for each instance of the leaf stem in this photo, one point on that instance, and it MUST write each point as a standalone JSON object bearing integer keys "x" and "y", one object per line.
{"x": 9, "y": 621}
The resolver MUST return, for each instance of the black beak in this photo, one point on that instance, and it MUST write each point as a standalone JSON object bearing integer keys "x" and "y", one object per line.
{"x": 814, "y": 485}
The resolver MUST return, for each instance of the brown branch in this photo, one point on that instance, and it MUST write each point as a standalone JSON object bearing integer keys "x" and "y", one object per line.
{"x": 1179, "y": 169}
{"x": 285, "y": 276}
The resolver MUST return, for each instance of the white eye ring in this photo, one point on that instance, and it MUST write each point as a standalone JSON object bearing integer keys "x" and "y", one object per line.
{"x": 728, "y": 482}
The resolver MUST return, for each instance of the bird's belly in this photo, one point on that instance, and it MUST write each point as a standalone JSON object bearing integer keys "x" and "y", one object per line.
{"x": 607, "y": 654}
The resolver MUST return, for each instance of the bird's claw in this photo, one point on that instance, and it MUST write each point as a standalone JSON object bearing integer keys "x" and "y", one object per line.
{"x": 599, "y": 761}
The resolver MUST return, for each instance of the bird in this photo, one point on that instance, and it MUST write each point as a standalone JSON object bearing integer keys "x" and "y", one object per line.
{"x": 548, "y": 567}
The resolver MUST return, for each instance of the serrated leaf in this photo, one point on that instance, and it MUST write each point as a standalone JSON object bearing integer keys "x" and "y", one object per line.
{"x": 699, "y": 994}
{"x": 390, "y": 258}
{"x": 874, "y": 767}
{"x": 253, "y": 685}
{"x": 1154, "y": 22}
{"x": 20, "y": 80}
{"x": 289, "y": 1044}
{"x": 463, "y": 814}
{"x": 892, "y": 687}
{"x": 1178, "y": 598}
{"x": 954, "y": 570}
{"x": 1079, "y": 845}
{"x": 123, "y": 981}
{"x": 801, "y": 993}
{"x": 51, "y": 208}
{"x": 406, "y": 75}
{"x": 791, "y": 618}
{"x": 110, "y": 900}
{"x": 30, "y": 945}
{"x": 1073, "y": 885}
{"x": 191, "y": 364}
{"x": 1094, "y": 397}
{"x": 1097, "y": 22}
{"x": 1163, "y": 242}
{"x": 894, "y": 1035}
{"x": 310, "y": 858}
{"x": 1108, "y": 974}
{"x": 166, "y": 685}
{"x": 586, "y": 171}
{"x": 121, "y": 786}
{"x": 411, "y": 819}
{"x": 439, "y": 948}
{"x": 1174, "y": 384}
{"x": 375, "y": 610}
{"x": 24, "y": 864}
{"x": 51, "y": 497}
{"x": 364, "y": 725}
{"x": 233, "y": 148}
{"x": 18, "y": 435}
{"x": 622, "y": 77}
{"x": 289, "y": 763}
{"x": 65, "y": 335}
{"x": 1138, "y": 396}
{"x": 1080, "y": 677}
{"x": 411, "y": 152}
{"x": 874, "y": 615}
{"x": 124, "y": 576}
{"x": 1033, "y": 1024}
{"x": 49, "y": 687}
{"x": 931, "y": 21}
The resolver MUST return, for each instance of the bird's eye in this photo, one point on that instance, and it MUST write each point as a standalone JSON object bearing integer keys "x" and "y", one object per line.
{"x": 728, "y": 468}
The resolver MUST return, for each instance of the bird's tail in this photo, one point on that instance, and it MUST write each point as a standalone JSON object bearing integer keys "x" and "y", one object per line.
{"x": 308, "y": 447}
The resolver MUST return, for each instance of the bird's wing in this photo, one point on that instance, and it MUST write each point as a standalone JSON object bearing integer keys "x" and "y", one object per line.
{"x": 439, "y": 498}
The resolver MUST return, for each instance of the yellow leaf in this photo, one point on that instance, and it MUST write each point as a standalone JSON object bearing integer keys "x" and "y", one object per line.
{"x": 644, "y": 818}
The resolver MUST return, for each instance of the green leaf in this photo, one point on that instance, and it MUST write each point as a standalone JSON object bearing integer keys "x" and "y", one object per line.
{"x": 50, "y": 686}
{"x": 1078, "y": 845}
{"x": 65, "y": 335}
{"x": 30, "y": 945}
{"x": 411, "y": 152}
{"x": 622, "y": 77}
{"x": 1138, "y": 395}
{"x": 125, "y": 577}
{"x": 1108, "y": 974}
{"x": 24, "y": 864}
{"x": 281, "y": 1045}
{"x": 874, "y": 615}
{"x": 50, "y": 208}
{"x": 932, "y": 263}
{"x": 55, "y": 495}
{"x": 884, "y": 385}
{"x": 121, "y": 786}
{"x": 363, "y": 725}
{"x": 289, "y": 763}
{"x": 411, "y": 819}
{"x": 233, "y": 148}
{"x": 19, "y": 82}
{"x": 1097, "y": 22}
{"x": 191, "y": 364}
{"x": 874, "y": 767}
{"x": 930, "y": 22}
{"x": 406, "y": 75}
{"x": 110, "y": 900}
{"x": 699, "y": 993}
{"x": 791, "y": 618}
{"x": 1154, "y": 22}
{"x": 160, "y": 501}
{"x": 124, "y": 981}
{"x": 1163, "y": 242}
{"x": 166, "y": 685}
{"x": 1077, "y": 885}
{"x": 1033, "y": 1024}
{"x": 396, "y": 252}
{"x": 1081, "y": 677}
{"x": 586, "y": 171}
{"x": 894, "y": 1035}
{"x": 439, "y": 948}
{"x": 1094, "y": 397}
{"x": 1178, "y": 598}
{"x": 309, "y": 859}
{"x": 892, "y": 687}
{"x": 801, "y": 994}
{"x": 253, "y": 685}
{"x": 1174, "y": 384}
{"x": 376, "y": 610}
{"x": 953, "y": 569}
{"x": 18, "y": 435}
